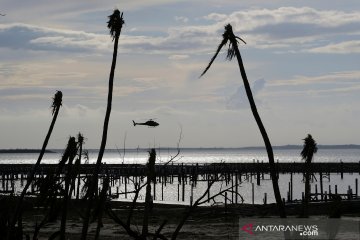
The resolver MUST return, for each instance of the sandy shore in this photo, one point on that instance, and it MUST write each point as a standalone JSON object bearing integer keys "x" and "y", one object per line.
{"x": 215, "y": 222}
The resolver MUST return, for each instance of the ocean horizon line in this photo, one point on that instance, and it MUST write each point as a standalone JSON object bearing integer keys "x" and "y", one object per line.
{"x": 280, "y": 147}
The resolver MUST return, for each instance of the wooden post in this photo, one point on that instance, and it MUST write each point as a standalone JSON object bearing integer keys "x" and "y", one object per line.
{"x": 252, "y": 193}
{"x": 236, "y": 187}
{"x": 325, "y": 196}
{"x": 335, "y": 189}
{"x": 183, "y": 190}
{"x": 356, "y": 187}
{"x": 7, "y": 182}
{"x": 13, "y": 186}
{"x": 191, "y": 195}
{"x": 232, "y": 188}
{"x": 178, "y": 188}
{"x": 321, "y": 186}
{"x": 265, "y": 198}
{"x": 288, "y": 196}
{"x": 162, "y": 190}
{"x": 225, "y": 200}
{"x": 349, "y": 192}
{"x": 289, "y": 193}
{"x": 342, "y": 169}
{"x": 316, "y": 193}
{"x": 208, "y": 185}
{"x": 258, "y": 174}
{"x": 291, "y": 186}
{"x": 154, "y": 190}
{"x": 78, "y": 187}
{"x": 125, "y": 188}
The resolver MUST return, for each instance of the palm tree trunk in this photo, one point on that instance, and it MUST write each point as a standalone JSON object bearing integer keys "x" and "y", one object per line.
{"x": 307, "y": 185}
{"x": 264, "y": 135}
{"x": 307, "y": 191}
{"x": 68, "y": 179}
{"x": 31, "y": 176}
{"x": 148, "y": 201}
{"x": 94, "y": 184}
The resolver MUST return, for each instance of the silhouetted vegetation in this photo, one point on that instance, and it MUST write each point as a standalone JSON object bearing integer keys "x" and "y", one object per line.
{"x": 115, "y": 24}
{"x": 53, "y": 194}
{"x": 56, "y": 104}
{"x": 307, "y": 154}
{"x": 233, "y": 51}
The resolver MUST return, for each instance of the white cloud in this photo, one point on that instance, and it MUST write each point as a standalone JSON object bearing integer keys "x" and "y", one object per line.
{"x": 178, "y": 57}
{"x": 216, "y": 17}
{"x": 338, "y": 48}
{"x": 181, "y": 19}
{"x": 283, "y": 27}
{"x": 334, "y": 85}
{"x": 288, "y": 26}
{"x": 31, "y": 37}
{"x": 345, "y": 77}
{"x": 254, "y": 18}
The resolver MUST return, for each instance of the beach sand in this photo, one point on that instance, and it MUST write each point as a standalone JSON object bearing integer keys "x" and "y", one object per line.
{"x": 216, "y": 222}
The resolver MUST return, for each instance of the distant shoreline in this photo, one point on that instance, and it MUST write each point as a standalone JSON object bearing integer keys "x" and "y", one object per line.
{"x": 283, "y": 147}
{"x": 24, "y": 151}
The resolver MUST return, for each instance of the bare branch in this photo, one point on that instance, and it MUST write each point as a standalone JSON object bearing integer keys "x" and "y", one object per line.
{"x": 178, "y": 148}
{"x": 157, "y": 233}
{"x": 218, "y": 194}
{"x": 137, "y": 191}
{"x": 114, "y": 217}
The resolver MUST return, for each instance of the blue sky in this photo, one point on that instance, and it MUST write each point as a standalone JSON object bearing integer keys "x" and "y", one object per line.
{"x": 301, "y": 57}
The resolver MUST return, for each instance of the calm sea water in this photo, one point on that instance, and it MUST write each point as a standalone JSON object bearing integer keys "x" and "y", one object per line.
{"x": 170, "y": 191}
{"x": 197, "y": 155}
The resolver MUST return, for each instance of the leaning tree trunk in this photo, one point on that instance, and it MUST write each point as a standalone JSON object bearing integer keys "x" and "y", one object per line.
{"x": 94, "y": 184}
{"x": 31, "y": 176}
{"x": 273, "y": 172}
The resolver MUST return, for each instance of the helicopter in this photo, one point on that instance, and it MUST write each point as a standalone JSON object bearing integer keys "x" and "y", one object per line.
{"x": 150, "y": 123}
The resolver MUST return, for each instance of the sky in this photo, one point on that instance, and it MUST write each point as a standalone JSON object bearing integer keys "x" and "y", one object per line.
{"x": 301, "y": 59}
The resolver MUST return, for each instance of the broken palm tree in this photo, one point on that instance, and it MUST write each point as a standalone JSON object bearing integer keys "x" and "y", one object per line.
{"x": 233, "y": 51}
{"x": 115, "y": 24}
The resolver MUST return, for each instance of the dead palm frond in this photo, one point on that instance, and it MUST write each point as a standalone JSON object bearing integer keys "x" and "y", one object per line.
{"x": 57, "y": 101}
{"x": 115, "y": 23}
{"x": 228, "y": 35}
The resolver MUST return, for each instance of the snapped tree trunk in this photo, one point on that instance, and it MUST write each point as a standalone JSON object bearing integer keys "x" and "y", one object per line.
{"x": 56, "y": 105}
{"x": 148, "y": 200}
{"x": 67, "y": 193}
